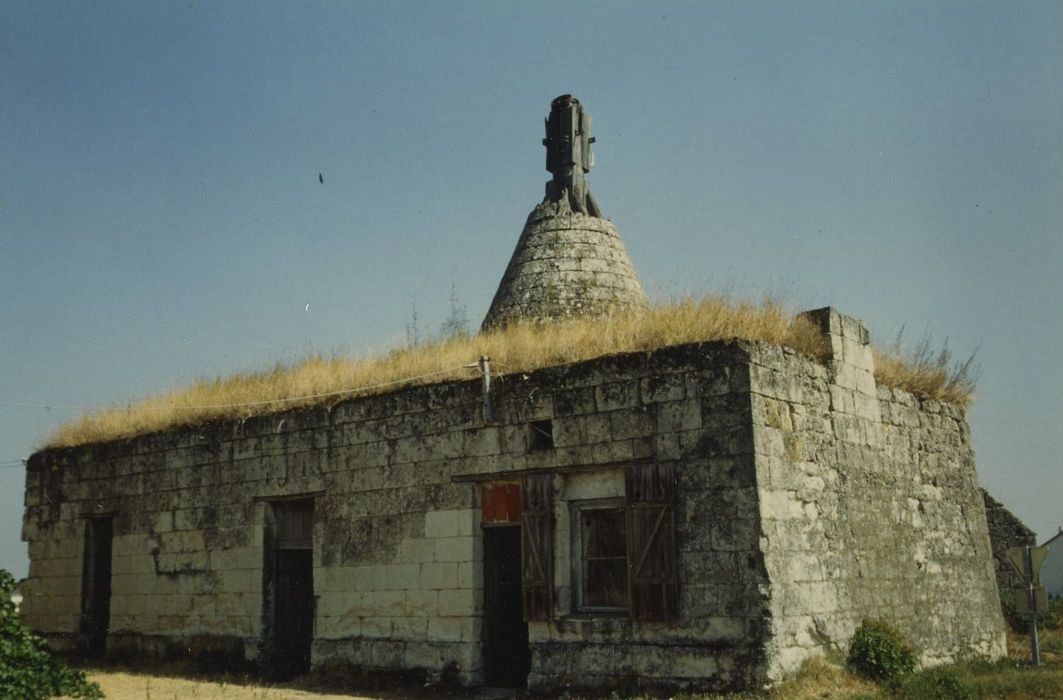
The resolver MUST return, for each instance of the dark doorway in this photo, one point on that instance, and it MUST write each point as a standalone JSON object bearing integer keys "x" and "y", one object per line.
{"x": 293, "y": 587}
{"x": 96, "y": 587}
{"x": 507, "y": 658}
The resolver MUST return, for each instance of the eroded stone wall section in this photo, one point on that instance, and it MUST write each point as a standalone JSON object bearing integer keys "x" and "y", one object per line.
{"x": 869, "y": 508}
{"x": 1006, "y": 531}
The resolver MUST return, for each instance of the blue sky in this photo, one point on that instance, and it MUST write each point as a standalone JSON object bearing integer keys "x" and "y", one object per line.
{"x": 161, "y": 217}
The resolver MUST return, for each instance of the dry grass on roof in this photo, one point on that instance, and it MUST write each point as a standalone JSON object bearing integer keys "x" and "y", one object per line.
{"x": 318, "y": 379}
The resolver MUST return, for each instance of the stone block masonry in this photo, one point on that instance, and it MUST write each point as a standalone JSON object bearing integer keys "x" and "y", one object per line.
{"x": 566, "y": 263}
{"x": 869, "y": 508}
{"x": 805, "y": 499}
{"x": 1006, "y": 531}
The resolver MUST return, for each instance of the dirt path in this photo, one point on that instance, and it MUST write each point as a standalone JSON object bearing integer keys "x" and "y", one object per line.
{"x": 122, "y": 685}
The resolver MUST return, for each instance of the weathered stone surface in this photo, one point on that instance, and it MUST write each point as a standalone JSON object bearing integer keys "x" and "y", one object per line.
{"x": 803, "y": 505}
{"x": 878, "y": 518}
{"x": 565, "y": 264}
{"x": 1005, "y": 531}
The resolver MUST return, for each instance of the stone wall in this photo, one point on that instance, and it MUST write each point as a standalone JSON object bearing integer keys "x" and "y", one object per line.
{"x": 1005, "y": 531}
{"x": 395, "y": 553}
{"x": 807, "y": 499}
{"x": 397, "y": 542}
{"x": 698, "y": 418}
{"x": 869, "y": 507}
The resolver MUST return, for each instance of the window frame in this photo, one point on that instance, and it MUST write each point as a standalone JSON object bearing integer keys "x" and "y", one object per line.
{"x": 576, "y": 508}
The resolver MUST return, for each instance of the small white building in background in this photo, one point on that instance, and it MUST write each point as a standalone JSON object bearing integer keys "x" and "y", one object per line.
{"x": 1052, "y": 570}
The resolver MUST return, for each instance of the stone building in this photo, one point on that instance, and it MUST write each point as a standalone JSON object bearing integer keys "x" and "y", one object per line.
{"x": 1051, "y": 574}
{"x": 706, "y": 515}
{"x": 1005, "y": 531}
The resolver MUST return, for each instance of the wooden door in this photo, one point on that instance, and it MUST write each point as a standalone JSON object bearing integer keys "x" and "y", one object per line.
{"x": 293, "y": 587}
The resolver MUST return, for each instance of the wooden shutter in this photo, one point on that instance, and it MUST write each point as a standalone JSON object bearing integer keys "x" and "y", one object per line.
{"x": 652, "y": 577}
{"x": 537, "y": 546}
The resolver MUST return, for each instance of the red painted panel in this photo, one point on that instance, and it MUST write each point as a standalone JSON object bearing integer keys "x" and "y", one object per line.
{"x": 500, "y": 503}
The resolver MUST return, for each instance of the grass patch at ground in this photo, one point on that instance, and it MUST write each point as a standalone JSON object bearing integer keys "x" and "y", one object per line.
{"x": 182, "y": 680}
{"x": 513, "y": 349}
{"x": 819, "y": 679}
{"x": 823, "y": 678}
{"x": 976, "y": 680}
{"x": 1012, "y": 680}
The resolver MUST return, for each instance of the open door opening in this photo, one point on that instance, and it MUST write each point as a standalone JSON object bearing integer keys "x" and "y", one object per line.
{"x": 507, "y": 658}
{"x": 290, "y": 598}
{"x": 96, "y": 588}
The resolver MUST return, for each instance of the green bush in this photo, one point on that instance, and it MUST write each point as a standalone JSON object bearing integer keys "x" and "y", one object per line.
{"x": 27, "y": 670}
{"x": 877, "y": 651}
{"x": 933, "y": 684}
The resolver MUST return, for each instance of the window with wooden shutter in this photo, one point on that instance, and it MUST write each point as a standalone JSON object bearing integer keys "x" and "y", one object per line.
{"x": 537, "y": 551}
{"x": 652, "y": 576}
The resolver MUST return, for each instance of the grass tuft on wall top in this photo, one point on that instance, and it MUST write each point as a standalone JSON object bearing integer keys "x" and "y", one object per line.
{"x": 519, "y": 348}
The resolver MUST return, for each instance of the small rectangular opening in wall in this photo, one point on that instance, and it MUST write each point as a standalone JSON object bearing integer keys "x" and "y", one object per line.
{"x": 540, "y": 435}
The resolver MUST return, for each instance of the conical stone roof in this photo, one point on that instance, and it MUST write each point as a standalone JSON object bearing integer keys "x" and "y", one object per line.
{"x": 568, "y": 261}
{"x": 566, "y": 264}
